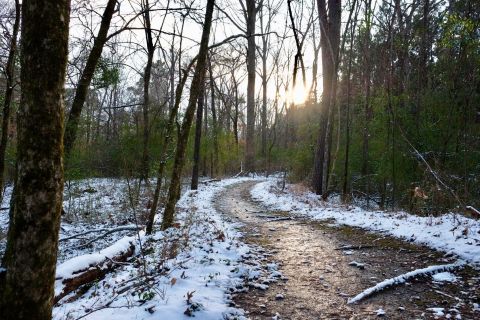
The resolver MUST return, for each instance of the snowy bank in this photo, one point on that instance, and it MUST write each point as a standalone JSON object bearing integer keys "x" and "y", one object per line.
{"x": 453, "y": 234}
{"x": 187, "y": 270}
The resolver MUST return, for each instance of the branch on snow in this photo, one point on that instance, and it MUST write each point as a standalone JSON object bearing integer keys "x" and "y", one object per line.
{"x": 404, "y": 278}
{"x": 108, "y": 231}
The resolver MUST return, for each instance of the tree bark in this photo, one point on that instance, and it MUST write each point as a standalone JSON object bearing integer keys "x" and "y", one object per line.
{"x": 214, "y": 120}
{"x": 27, "y": 285}
{"x": 145, "y": 166}
{"x": 198, "y": 138}
{"x": 251, "y": 65}
{"x": 345, "y": 186}
{"x": 330, "y": 39}
{"x": 195, "y": 92}
{"x": 367, "y": 105}
{"x": 71, "y": 127}
{"x": 9, "y": 74}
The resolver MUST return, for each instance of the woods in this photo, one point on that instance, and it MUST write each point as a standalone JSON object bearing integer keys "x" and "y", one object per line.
{"x": 366, "y": 104}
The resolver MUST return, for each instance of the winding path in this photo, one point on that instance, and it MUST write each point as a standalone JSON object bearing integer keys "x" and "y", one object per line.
{"x": 321, "y": 276}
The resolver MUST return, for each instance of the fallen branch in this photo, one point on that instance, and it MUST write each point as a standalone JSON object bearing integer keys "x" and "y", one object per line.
{"x": 103, "y": 236}
{"x": 85, "y": 269}
{"x": 124, "y": 228}
{"x": 238, "y": 174}
{"x": 360, "y": 247}
{"x": 403, "y": 278}
{"x": 209, "y": 181}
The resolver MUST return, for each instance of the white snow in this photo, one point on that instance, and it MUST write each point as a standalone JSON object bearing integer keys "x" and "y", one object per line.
{"x": 449, "y": 233}
{"x": 444, "y": 277}
{"x": 380, "y": 312}
{"x": 439, "y": 312}
{"x": 208, "y": 265}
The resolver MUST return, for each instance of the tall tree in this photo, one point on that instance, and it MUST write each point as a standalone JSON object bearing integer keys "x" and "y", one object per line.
{"x": 27, "y": 281}
{"x": 146, "y": 88}
{"x": 195, "y": 93}
{"x": 198, "y": 139}
{"x": 367, "y": 74}
{"x": 86, "y": 77}
{"x": 251, "y": 14}
{"x": 330, "y": 22}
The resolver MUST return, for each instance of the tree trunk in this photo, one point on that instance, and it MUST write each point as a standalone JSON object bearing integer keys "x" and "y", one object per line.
{"x": 167, "y": 137}
{"x": 348, "y": 123}
{"x": 9, "y": 74}
{"x": 86, "y": 77}
{"x": 214, "y": 121}
{"x": 27, "y": 283}
{"x": 367, "y": 106}
{"x": 145, "y": 166}
{"x": 330, "y": 39}
{"x": 237, "y": 111}
{"x": 195, "y": 92}
{"x": 264, "y": 89}
{"x": 198, "y": 138}
{"x": 251, "y": 65}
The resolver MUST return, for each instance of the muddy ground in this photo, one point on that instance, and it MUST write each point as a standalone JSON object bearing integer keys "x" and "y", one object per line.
{"x": 320, "y": 278}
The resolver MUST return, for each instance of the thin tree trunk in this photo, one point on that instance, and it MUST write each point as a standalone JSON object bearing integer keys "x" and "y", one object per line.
{"x": 145, "y": 167}
{"x": 167, "y": 137}
{"x": 264, "y": 89}
{"x": 214, "y": 120}
{"x": 237, "y": 111}
{"x": 86, "y": 77}
{"x": 198, "y": 138}
{"x": 195, "y": 92}
{"x": 330, "y": 39}
{"x": 9, "y": 74}
{"x": 27, "y": 281}
{"x": 367, "y": 106}
{"x": 348, "y": 123}
{"x": 251, "y": 66}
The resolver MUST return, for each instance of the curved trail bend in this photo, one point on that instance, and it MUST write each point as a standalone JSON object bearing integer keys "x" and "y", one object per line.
{"x": 320, "y": 277}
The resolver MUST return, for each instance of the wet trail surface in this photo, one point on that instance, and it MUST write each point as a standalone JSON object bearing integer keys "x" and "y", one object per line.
{"x": 320, "y": 277}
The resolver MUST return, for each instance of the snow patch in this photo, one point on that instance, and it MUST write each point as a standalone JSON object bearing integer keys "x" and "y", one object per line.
{"x": 444, "y": 277}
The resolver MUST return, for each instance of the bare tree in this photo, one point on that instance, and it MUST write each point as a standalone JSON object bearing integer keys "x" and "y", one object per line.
{"x": 195, "y": 92}
{"x": 86, "y": 77}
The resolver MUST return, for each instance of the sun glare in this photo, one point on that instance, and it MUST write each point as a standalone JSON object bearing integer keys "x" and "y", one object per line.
{"x": 299, "y": 94}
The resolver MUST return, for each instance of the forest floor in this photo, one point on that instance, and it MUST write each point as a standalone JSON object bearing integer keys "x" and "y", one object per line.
{"x": 319, "y": 276}
{"x": 243, "y": 248}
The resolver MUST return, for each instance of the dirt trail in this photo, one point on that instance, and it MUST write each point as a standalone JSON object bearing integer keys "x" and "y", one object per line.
{"x": 320, "y": 278}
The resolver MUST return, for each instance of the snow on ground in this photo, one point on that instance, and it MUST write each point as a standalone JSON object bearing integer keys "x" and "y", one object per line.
{"x": 90, "y": 204}
{"x": 190, "y": 270}
{"x": 444, "y": 277}
{"x": 453, "y": 234}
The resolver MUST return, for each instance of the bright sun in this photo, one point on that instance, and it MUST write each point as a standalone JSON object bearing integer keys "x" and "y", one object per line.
{"x": 299, "y": 94}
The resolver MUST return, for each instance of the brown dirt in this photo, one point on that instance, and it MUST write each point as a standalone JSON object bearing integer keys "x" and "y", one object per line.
{"x": 320, "y": 279}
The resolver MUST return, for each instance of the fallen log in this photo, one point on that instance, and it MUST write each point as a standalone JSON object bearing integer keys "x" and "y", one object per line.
{"x": 85, "y": 269}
